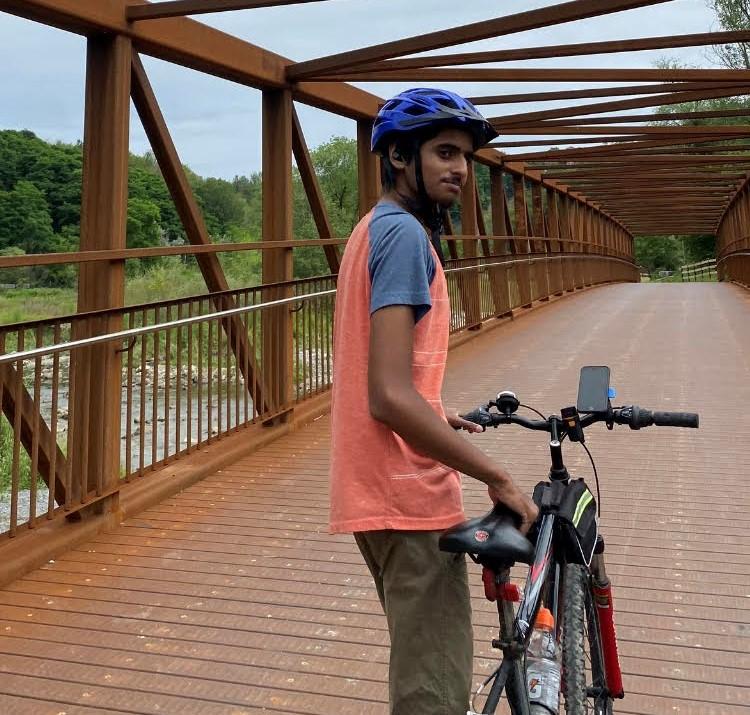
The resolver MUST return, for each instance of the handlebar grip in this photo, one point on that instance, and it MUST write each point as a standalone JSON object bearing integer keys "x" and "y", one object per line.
{"x": 480, "y": 416}
{"x": 676, "y": 419}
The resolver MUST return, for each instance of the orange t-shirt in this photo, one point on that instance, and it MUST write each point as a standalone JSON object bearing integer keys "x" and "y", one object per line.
{"x": 377, "y": 480}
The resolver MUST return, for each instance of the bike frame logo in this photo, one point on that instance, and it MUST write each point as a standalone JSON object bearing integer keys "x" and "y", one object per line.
{"x": 481, "y": 536}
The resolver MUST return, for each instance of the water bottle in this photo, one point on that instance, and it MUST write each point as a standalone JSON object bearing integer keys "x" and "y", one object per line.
{"x": 543, "y": 664}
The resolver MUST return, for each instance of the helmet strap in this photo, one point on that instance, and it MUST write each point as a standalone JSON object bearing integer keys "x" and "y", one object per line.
{"x": 429, "y": 210}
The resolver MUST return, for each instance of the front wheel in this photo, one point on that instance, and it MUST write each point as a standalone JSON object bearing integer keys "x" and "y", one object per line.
{"x": 583, "y": 681}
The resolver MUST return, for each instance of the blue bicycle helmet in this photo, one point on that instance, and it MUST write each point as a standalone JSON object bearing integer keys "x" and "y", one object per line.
{"x": 420, "y": 108}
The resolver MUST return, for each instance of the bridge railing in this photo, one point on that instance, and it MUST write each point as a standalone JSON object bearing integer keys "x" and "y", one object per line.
{"x": 702, "y": 271}
{"x": 197, "y": 369}
{"x": 735, "y": 266}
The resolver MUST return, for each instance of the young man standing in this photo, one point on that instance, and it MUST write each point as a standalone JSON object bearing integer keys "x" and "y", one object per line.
{"x": 395, "y": 453}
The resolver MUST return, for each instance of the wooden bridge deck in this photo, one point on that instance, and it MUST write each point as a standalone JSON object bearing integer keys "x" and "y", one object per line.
{"x": 231, "y": 597}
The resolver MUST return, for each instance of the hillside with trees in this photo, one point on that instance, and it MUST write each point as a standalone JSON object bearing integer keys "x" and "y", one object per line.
{"x": 40, "y": 199}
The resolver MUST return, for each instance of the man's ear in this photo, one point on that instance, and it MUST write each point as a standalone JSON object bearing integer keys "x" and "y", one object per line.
{"x": 398, "y": 161}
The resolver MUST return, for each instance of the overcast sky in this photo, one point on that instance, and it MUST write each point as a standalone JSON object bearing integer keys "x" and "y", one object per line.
{"x": 216, "y": 124}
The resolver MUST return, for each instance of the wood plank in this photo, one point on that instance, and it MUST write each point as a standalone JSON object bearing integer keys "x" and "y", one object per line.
{"x": 233, "y": 592}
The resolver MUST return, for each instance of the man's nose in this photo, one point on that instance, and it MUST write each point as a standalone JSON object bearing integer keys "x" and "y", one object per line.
{"x": 461, "y": 168}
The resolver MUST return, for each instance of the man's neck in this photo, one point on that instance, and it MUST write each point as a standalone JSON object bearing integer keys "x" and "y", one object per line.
{"x": 406, "y": 202}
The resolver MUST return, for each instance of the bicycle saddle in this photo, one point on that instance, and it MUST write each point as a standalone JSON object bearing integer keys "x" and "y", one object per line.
{"x": 492, "y": 536}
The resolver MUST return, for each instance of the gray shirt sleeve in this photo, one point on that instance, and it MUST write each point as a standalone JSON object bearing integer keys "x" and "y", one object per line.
{"x": 400, "y": 261}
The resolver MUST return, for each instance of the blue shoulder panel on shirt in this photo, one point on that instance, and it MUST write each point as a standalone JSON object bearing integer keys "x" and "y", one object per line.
{"x": 400, "y": 261}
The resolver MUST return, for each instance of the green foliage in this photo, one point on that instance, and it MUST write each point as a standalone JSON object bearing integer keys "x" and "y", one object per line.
{"x": 659, "y": 253}
{"x": 40, "y": 200}
{"x": 335, "y": 165}
{"x": 13, "y": 276}
{"x": 668, "y": 253}
{"x": 25, "y": 220}
{"x": 223, "y": 208}
{"x": 6, "y": 460}
{"x": 732, "y": 15}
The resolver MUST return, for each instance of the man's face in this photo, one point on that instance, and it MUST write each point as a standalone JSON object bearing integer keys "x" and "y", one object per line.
{"x": 445, "y": 165}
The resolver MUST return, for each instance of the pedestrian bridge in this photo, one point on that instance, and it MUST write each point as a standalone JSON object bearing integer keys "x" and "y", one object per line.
{"x": 231, "y": 597}
{"x": 163, "y": 538}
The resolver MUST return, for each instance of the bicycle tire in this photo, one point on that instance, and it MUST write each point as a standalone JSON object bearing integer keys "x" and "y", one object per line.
{"x": 580, "y": 638}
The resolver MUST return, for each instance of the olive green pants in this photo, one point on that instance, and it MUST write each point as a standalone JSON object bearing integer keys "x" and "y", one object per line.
{"x": 425, "y": 596}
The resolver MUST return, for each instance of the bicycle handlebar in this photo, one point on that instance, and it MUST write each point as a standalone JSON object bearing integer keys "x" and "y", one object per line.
{"x": 633, "y": 416}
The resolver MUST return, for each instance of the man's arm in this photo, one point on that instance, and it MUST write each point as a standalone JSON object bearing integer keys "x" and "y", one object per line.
{"x": 394, "y": 401}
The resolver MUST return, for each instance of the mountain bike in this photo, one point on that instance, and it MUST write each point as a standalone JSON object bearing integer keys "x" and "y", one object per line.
{"x": 565, "y": 554}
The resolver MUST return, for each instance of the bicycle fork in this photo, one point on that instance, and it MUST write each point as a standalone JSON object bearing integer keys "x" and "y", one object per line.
{"x": 602, "y": 590}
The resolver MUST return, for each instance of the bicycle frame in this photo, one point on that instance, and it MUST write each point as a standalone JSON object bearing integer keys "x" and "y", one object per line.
{"x": 514, "y": 638}
{"x": 545, "y": 570}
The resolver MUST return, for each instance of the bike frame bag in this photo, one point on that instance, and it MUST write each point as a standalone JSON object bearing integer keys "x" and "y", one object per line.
{"x": 577, "y": 523}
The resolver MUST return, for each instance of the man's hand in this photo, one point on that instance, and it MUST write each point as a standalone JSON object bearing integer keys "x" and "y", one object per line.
{"x": 510, "y": 495}
{"x": 457, "y": 422}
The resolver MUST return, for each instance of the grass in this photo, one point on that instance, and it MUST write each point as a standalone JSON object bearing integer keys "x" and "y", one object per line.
{"x": 6, "y": 460}
{"x": 23, "y": 305}
{"x": 170, "y": 278}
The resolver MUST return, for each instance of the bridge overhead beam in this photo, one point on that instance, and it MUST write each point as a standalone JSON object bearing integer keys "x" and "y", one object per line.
{"x": 554, "y": 51}
{"x": 590, "y": 93}
{"x": 616, "y": 143}
{"x": 497, "y": 27}
{"x": 196, "y": 46}
{"x": 541, "y": 74}
{"x": 708, "y": 91}
{"x": 176, "y": 8}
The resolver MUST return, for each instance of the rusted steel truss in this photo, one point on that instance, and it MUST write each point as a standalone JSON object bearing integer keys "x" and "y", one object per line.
{"x": 619, "y": 177}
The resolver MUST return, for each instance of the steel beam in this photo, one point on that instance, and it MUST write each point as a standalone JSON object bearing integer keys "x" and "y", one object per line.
{"x": 276, "y": 323}
{"x": 688, "y": 132}
{"x": 554, "y": 51}
{"x": 497, "y": 27}
{"x": 175, "y": 8}
{"x": 191, "y": 218}
{"x": 96, "y": 371}
{"x": 541, "y": 74}
{"x": 729, "y": 90}
{"x": 314, "y": 193}
{"x": 641, "y": 118}
{"x": 196, "y": 46}
{"x": 590, "y": 93}
{"x": 368, "y": 168}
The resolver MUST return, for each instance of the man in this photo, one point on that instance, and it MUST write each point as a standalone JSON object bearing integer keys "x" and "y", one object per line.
{"x": 395, "y": 453}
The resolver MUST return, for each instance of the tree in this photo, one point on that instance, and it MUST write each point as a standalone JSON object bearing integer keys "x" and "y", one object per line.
{"x": 659, "y": 253}
{"x": 25, "y": 221}
{"x": 14, "y": 276}
{"x": 144, "y": 228}
{"x": 732, "y": 15}
{"x": 222, "y": 206}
